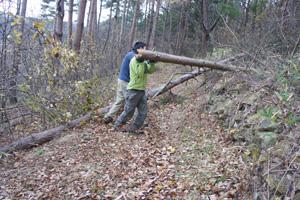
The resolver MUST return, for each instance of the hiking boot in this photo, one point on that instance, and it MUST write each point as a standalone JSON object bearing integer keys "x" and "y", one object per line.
{"x": 119, "y": 129}
{"x": 107, "y": 120}
{"x": 132, "y": 129}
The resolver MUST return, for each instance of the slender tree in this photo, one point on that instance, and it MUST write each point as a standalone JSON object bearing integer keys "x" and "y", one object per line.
{"x": 150, "y": 22}
{"x": 70, "y": 23}
{"x": 98, "y": 23}
{"x": 205, "y": 32}
{"x": 92, "y": 20}
{"x": 80, "y": 25}
{"x": 166, "y": 19}
{"x": 133, "y": 25}
{"x": 109, "y": 27}
{"x": 59, "y": 19}
{"x": 153, "y": 32}
{"x": 17, "y": 56}
{"x": 121, "y": 35}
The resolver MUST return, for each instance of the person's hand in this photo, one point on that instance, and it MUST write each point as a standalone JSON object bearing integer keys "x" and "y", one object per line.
{"x": 152, "y": 61}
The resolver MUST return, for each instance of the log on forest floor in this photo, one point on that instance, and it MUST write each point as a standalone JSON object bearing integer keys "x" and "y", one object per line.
{"x": 39, "y": 138}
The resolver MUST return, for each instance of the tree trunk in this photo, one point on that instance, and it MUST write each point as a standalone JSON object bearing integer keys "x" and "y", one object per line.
{"x": 134, "y": 22}
{"x": 12, "y": 93}
{"x": 18, "y": 7}
{"x": 165, "y": 21}
{"x": 153, "y": 32}
{"x": 127, "y": 14}
{"x": 169, "y": 58}
{"x": 80, "y": 25}
{"x": 185, "y": 28}
{"x": 179, "y": 28}
{"x": 59, "y": 19}
{"x": 121, "y": 35}
{"x": 89, "y": 17}
{"x": 92, "y": 20}
{"x": 42, "y": 137}
{"x": 145, "y": 20}
{"x": 205, "y": 31}
{"x": 150, "y": 22}
{"x": 253, "y": 23}
{"x": 98, "y": 23}
{"x": 70, "y": 23}
{"x": 109, "y": 29}
{"x": 45, "y": 136}
{"x": 247, "y": 8}
{"x": 170, "y": 32}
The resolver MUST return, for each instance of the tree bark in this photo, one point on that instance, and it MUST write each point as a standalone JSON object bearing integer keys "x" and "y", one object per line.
{"x": 109, "y": 28}
{"x": 98, "y": 23}
{"x": 169, "y": 58}
{"x": 59, "y": 20}
{"x": 42, "y": 137}
{"x": 153, "y": 32}
{"x": 205, "y": 31}
{"x": 133, "y": 26}
{"x": 70, "y": 23}
{"x": 182, "y": 27}
{"x": 121, "y": 35}
{"x": 18, "y": 7}
{"x": 80, "y": 25}
{"x": 145, "y": 20}
{"x": 45, "y": 136}
{"x": 12, "y": 93}
{"x": 246, "y": 19}
{"x": 165, "y": 21}
{"x": 92, "y": 20}
{"x": 150, "y": 21}
{"x": 169, "y": 46}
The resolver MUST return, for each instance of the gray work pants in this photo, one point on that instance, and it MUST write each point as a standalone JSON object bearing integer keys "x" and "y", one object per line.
{"x": 134, "y": 99}
{"x": 120, "y": 99}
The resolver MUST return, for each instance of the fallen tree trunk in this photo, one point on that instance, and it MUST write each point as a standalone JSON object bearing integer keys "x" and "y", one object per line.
{"x": 42, "y": 137}
{"x": 45, "y": 136}
{"x": 172, "y": 83}
{"x": 169, "y": 58}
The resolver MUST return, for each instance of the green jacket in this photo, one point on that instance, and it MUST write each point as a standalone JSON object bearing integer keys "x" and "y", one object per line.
{"x": 138, "y": 74}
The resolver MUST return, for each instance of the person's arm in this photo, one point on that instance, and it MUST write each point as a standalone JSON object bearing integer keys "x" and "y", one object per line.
{"x": 150, "y": 67}
{"x": 132, "y": 70}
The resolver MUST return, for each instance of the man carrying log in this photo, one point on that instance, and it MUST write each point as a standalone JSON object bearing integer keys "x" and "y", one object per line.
{"x": 136, "y": 96}
{"x": 123, "y": 81}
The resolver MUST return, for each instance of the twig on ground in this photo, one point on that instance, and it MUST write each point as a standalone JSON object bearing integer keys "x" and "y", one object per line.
{"x": 286, "y": 171}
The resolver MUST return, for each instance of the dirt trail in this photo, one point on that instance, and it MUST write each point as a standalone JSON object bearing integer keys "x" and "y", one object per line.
{"x": 183, "y": 154}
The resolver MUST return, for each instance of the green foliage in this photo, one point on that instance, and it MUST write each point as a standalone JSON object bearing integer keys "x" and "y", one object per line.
{"x": 207, "y": 149}
{"x": 230, "y": 9}
{"x": 269, "y": 112}
{"x": 40, "y": 26}
{"x": 60, "y": 84}
{"x": 40, "y": 151}
{"x": 289, "y": 74}
{"x": 17, "y": 36}
{"x": 291, "y": 119}
{"x": 258, "y": 6}
{"x": 48, "y": 8}
{"x": 252, "y": 152}
{"x": 220, "y": 53}
{"x": 284, "y": 96}
{"x": 17, "y": 21}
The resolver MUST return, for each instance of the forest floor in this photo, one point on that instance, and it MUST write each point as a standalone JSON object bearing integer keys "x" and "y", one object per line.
{"x": 184, "y": 153}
